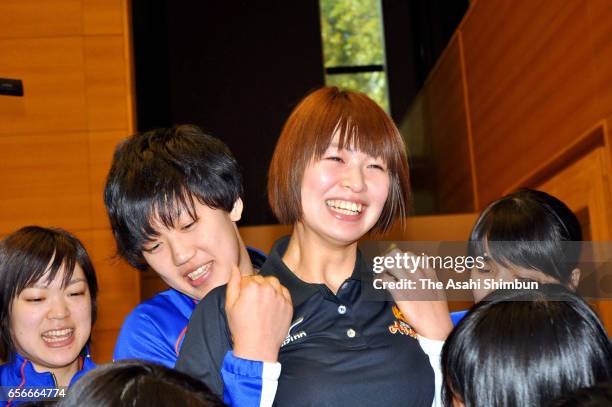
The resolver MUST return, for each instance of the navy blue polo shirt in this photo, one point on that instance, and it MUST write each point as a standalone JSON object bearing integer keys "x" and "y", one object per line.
{"x": 342, "y": 349}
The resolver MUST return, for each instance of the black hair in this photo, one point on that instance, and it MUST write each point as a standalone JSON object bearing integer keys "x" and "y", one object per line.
{"x": 525, "y": 348}
{"x": 530, "y": 229}
{"x": 27, "y": 255}
{"x": 596, "y": 396}
{"x": 137, "y": 383}
{"x": 156, "y": 176}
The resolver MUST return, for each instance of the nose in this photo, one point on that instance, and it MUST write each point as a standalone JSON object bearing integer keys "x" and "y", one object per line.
{"x": 59, "y": 309}
{"x": 353, "y": 178}
{"x": 181, "y": 250}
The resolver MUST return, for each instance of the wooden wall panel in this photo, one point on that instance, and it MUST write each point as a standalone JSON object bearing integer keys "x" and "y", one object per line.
{"x": 103, "y": 17}
{"x": 600, "y": 33}
{"x": 436, "y": 131}
{"x": 107, "y": 84}
{"x": 52, "y": 70}
{"x": 40, "y": 18}
{"x": 115, "y": 280}
{"x": 450, "y": 141}
{"x": 101, "y": 148}
{"x": 530, "y": 72}
{"x": 44, "y": 180}
{"x": 57, "y": 141}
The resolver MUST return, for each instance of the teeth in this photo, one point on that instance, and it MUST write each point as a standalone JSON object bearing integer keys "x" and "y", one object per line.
{"x": 57, "y": 335}
{"x": 199, "y": 272}
{"x": 344, "y": 207}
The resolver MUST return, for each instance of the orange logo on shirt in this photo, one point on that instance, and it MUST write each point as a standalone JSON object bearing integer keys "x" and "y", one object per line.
{"x": 401, "y": 325}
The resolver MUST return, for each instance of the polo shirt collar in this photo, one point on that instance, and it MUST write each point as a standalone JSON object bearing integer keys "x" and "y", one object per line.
{"x": 300, "y": 290}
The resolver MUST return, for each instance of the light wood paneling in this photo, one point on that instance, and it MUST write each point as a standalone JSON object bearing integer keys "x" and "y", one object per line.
{"x": 103, "y": 344}
{"x": 52, "y": 71}
{"x": 101, "y": 148}
{"x": 584, "y": 186}
{"x": 600, "y": 32}
{"x": 103, "y": 17}
{"x": 44, "y": 180}
{"x": 39, "y": 18}
{"x": 56, "y": 142}
{"x": 117, "y": 280}
{"x": 263, "y": 237}
{"x": 530, "y": 71}
{"x": 107, "y": 85}
{"x": 437, "y": 135}
{"x": 450, "y": 145}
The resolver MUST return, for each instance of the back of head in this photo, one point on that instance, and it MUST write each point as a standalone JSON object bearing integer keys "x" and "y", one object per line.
{"x": 32, "y": 252}
{"x": 596, "y": 396}
{"x": 525, "y": 348}
{"x": 137, "y": 383}
{"x": 158, "y": 174}
{"x": 529, "y": 229}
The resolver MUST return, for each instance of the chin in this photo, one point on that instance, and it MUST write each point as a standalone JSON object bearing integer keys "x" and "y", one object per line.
{"x": 346, "y": 238}
{"x": 62, "y": 360}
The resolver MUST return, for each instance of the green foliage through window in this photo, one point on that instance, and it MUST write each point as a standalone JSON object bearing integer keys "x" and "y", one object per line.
{"x": 352, "y": 34}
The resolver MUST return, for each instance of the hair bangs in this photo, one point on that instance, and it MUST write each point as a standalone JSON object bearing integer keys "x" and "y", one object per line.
{"x": 160, "y": 210}
{"x": 359, "y": 124}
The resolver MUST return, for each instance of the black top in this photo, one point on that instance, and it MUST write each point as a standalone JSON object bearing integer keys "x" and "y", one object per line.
{"x": 341, "y": 349}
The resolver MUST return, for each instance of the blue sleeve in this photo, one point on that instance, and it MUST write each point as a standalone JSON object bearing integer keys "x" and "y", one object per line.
{"x": 457, "y": 316}
{"x": 141, "y": 338}
{"x": 249, "y": 383}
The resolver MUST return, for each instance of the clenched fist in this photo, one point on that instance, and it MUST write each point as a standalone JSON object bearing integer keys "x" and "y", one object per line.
{"x": 259, "y": 312}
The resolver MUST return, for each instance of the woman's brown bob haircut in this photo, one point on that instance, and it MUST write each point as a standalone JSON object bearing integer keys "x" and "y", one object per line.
{"x": 360, "y": 124}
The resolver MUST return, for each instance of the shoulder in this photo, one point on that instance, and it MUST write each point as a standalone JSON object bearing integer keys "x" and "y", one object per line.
{"x": 169, "y": 304}
{"x": 154, "y": 329}
{"x": 211, "y": 307}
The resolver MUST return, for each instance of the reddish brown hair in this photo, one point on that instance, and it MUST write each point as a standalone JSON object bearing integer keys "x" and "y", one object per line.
{"x": 361, "y": 124}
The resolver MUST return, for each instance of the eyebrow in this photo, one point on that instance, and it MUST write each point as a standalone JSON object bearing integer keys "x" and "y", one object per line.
{"x": 71, "y": 282}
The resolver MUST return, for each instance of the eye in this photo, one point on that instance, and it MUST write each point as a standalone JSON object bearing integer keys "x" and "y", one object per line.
{"x": 334, "y": 158}
{"x": 189, "y": 226}
{"x": 34, "y": 299}
{"x": 152, "y": 247}
{"x": 76, "y": 294}
{"x": 377, "y": 167}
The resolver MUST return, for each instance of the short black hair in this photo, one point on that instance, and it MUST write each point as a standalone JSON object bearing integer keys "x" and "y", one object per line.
{"x": 525, "y": 348}
{"x": 138, "y": 383}
{"x": 30, "y": 252}
{"x": 595, "y": 396}
{"x": 530, "y": 229}
{"x": 158, "y": 174}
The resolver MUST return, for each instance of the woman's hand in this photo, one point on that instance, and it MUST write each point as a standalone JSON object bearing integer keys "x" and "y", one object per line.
{"x": 259, "y": 312}
{"x": 425, "y": 309}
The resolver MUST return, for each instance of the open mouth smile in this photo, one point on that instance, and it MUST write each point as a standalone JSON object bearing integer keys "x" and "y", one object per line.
{"x": 200, "y": 271}
{"x": 58, "y": 337}
{"x": 344, "y": 207}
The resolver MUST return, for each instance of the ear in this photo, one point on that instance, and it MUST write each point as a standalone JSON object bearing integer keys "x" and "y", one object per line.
{"x": 574, "y": 279}
{"x": 236, "y": 212}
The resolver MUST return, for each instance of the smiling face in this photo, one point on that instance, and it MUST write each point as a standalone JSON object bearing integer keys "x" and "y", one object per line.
{"x": 197, "y": 255}
{"x": 343, "y": 194}
{"x": 51, "y": 324}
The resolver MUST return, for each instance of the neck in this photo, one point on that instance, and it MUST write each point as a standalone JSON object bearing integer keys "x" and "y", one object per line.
{"x": 316, "y": 260}
{"x": 63, "y": 375}
{"x": 244, "y": 262}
